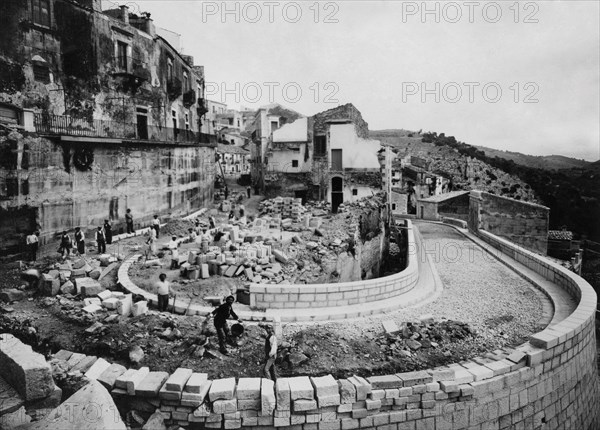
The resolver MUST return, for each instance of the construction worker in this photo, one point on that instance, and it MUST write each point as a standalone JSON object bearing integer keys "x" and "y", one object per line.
{"x": 221, "y": 314}
{"x": 269, "y": 369}
{"x": 162, "y": 292}
{"x": 173, "y": 245}
{"x": 80, "y": 241}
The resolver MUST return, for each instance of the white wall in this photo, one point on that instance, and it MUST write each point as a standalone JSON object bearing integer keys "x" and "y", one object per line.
{"x": 357, "y": 153}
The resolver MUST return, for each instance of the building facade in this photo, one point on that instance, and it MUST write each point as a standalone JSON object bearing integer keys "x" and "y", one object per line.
{"x": 96, "y": 118}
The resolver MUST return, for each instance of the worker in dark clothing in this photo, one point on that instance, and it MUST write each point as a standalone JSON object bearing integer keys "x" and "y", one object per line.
{"x": 269, "y": 369}
{"x": 129, "y": 221}
{"x": 221, "y": 314}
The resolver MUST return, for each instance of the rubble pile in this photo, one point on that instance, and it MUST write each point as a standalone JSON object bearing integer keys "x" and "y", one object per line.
{"x": 287, "y": 207}
{"x": 410, "y": 337}
{"x": 176, "y": 227}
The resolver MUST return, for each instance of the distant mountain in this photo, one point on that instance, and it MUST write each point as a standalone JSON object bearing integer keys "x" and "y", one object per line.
{"x": 549, "y": 162}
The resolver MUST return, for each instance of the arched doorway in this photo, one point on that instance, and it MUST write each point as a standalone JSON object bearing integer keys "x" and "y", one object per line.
{"x": 337, "y": 193}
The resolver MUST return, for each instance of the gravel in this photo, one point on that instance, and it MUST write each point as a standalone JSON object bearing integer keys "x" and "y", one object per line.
{"x": 495, "y": 301}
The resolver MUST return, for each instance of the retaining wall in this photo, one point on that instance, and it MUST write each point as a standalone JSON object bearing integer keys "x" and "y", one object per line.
{"x": 339, "y": 294}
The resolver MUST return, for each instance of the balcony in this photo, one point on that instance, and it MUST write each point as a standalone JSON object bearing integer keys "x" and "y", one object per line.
{"x": 56, "y": 125}
{"x": 132, "y": 71}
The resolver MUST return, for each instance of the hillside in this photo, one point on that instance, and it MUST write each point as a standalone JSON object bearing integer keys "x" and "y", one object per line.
{"x": 572, "y": 194}
{"x": 548, "y": 162}
{"x": 466, "y": 172}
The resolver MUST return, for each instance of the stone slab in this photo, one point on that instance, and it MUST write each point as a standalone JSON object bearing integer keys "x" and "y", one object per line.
{"x": 283, "y": 395}
{"x": 267, "y": 396}
{"x": 110, "y": 375}
{"x": 301, "y": 388}
{"x": 178, "y": 379}
{"x": 97, "y": 368}
{"x": 222, "y": 389}
{"x": 136, "y": 379}
{"x": 85, "y": 364}
{"x": 194, "y": 383}
{"x": 151, "y": 384}
{"x": 25, "y": 370}
{"x": 248, "y": 388}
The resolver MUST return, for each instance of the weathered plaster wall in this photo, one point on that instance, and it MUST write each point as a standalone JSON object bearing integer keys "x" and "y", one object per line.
{"x": 148, "y": 180}
{"x": 520, "y": 222}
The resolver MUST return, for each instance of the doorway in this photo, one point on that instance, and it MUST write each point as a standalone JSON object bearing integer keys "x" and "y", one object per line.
{"x": 142, "y": 123}
{"x": 337, "y": 193}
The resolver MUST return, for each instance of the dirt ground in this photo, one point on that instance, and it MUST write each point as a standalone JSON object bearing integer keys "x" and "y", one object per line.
{"x": 171, "y": 341}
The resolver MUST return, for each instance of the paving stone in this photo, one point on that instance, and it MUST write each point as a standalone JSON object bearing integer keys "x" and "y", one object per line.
{"x": 282, "y": 393}
{"x": 222, "y": 389}
{"x": 97, "y": 368}
{"x": 151, "y": 384}
{"x": 110, "y": 375}
{"x": 194, "y": 383}
{"x": 301, "y": 388}
{"x": 363, "y": 387}
{"x": 267, "y": 396}
{"x": 178, "y": 379}
{"x": 25, "y": 370}
{"x": 248, "y": 388}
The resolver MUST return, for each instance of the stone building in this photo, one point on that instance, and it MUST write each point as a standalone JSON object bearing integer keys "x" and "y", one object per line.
{"x": 454, "y": 204}
{"x": 96, "y": 118}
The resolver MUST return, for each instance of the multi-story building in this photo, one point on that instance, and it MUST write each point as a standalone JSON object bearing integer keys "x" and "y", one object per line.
{"x": 99, "y": 113}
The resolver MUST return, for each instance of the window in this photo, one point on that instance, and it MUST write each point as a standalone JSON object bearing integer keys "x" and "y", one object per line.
{"x": 274, "y": 125}
{"x": 187, "y": 121}
{"x": 320, "y": 145}
{"x": 41, "y": 12}
{"x": 294, "y": 163}
{"x": 186, "y": 81}
{"x": 393, "y": 206}
{"x": 354, "y": 192}
{"x": 122, "y": 55}
{"x": 41, "y": 73}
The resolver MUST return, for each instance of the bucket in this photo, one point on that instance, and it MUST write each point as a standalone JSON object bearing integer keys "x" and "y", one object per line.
{"x": 237, "y": 330}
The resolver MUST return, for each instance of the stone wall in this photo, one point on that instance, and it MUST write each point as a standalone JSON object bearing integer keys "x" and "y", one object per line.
{"x": 523, "y": 223}
{"x": 339, "y": 294}
{"x": 550, "y": 382}
{"x": 56, "y": 195}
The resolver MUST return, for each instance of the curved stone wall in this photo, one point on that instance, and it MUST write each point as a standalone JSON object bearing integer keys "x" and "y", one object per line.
{"x": 339, "y": 294}
{"x": 550, "y": 382}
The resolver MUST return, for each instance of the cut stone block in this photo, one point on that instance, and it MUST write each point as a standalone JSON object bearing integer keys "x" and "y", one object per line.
{"x": 92, "y": 308}
{"x": 282, "y": 392}
{"x": 330, "y": 400}
{"x": 136, "y": 379}
{"x": 222, "y": 389}
{"x": 10, "y": 400}
{"x": 85, "y": 364}
{"x": 224, "y": 406}
{"x": 301, "y": 388}
{"x": 75, "y": 359}
{"x": 97, "y": 368}
{"x": 110, "y": 303}
{"x": 363, "y": 388}
{"x": 49, "y": 286}
{"x": 121, "y": 381}
{"x": 267, "y": 396}
{"x": 410, "y": 379}
{"x": 110, "y": 375}
{"x": 139, "y": 308}
{"x": 384, "y": 382}
{"x": 178, "y": 379}
{"x": 25, "y": 370}
{"x": 90, "y": 401}
{"x": 325, "y": 386}
{"x": 301, "y": 405}
{"x": 151, "y": 384}
{"x": 88, "y": 287}
{"x": 124, "y": 305}
{"x": 106, "y": 294}
{"x": 248, "y": 388}
{"x": 390, "y": 327}
{"x": 194, "y": 383}
{"x": 63, "y": 354}
{"x": 347, "y": 391}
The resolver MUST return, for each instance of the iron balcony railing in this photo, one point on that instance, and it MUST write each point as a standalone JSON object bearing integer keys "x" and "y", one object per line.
{"x": 69, "y": 126}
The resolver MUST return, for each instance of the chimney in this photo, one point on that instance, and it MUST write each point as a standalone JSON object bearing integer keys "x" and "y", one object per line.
{"x": 149, "y": 26}
{"x": 124, "y": 14}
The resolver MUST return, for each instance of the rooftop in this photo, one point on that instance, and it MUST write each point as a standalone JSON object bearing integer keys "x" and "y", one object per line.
{"x": 443, "y": 197}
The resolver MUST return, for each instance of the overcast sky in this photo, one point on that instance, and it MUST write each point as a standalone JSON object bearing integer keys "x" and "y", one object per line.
{"x": 531, "y": 86}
